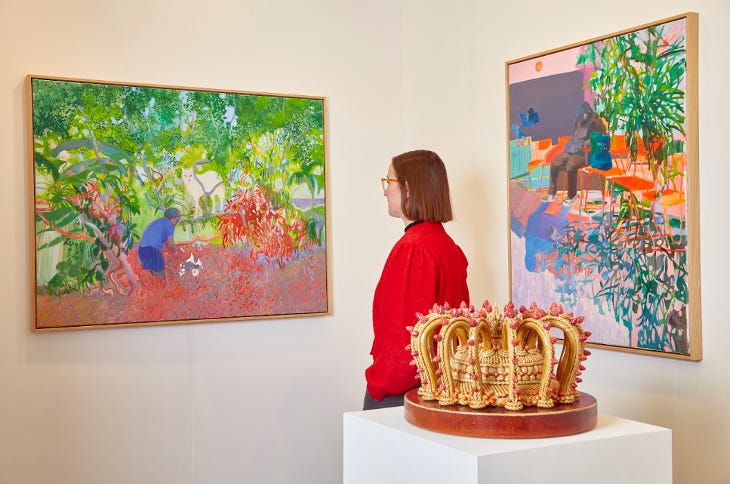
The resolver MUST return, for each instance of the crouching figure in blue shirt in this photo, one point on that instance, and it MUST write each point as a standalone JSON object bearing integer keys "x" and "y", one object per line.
{"x": 155, "y": 235}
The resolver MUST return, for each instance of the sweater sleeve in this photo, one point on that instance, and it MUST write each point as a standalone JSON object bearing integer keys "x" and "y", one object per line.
{"x": 407, "y": 286}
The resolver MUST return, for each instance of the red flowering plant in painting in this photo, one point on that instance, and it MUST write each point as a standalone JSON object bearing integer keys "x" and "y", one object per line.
{"x": 269, "y": 232}
{"x": 100, "y": 212}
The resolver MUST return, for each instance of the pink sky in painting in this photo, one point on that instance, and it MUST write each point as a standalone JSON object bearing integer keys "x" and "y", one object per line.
{"x": 546, "y": 65}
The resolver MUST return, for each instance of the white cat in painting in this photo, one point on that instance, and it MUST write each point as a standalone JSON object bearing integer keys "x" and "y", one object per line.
{"x": 197, "y": 185}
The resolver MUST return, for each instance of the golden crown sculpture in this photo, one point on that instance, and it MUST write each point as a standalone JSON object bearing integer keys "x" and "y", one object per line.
{"x": 481, "y": 357}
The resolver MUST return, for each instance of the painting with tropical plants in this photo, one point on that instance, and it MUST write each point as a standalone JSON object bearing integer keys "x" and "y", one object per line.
{"x": 604, "y": 217}
{"x": 156, "y": 204}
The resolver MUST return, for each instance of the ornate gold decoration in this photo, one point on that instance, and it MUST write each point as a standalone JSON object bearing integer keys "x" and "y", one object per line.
{"x": 481, "y": 357}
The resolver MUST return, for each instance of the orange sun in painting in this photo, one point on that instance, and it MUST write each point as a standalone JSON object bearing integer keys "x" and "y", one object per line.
{"x": 538, "y": 66}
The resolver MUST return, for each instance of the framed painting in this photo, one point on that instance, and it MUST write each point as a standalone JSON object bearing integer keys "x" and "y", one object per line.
{"x": 159, "y": 205}
{"x": 603, "y": 185}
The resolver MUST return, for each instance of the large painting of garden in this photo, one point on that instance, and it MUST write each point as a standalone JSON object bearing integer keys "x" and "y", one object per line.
{"x": 603, "y": 186}
{"x": 155, "y": 204}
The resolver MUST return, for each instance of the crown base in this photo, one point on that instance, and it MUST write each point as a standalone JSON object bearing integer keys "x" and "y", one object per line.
{"x": 500, "y": 423}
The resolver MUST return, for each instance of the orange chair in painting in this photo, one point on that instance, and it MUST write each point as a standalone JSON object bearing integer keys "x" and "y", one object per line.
{"x": 620, "y": 161}
{"x": 668, "y": 199}
{"x": 555, "y": 150}
{"x": 543, "y": 155}
{"x": 620, "y": 152}
{"x": 538, "y": 155}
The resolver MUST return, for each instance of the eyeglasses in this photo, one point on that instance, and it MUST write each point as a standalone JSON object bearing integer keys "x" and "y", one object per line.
{"x": 386, "y": 182}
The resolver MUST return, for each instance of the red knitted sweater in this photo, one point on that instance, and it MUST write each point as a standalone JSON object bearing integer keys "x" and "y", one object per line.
{"x": 424, "y": 267}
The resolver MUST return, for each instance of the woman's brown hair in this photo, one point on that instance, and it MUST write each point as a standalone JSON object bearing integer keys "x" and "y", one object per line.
{"x": 422, "y": 178}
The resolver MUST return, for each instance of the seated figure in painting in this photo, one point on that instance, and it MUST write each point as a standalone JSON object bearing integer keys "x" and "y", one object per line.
{"x": 575, "y": 153}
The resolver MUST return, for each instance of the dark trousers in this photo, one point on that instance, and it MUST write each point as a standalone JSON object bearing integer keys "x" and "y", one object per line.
{"x": 369, "y": 403}
{"x": 570, "y": 164}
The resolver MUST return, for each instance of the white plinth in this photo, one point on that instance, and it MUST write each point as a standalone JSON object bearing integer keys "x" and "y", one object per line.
{"x": 381, "y": 447}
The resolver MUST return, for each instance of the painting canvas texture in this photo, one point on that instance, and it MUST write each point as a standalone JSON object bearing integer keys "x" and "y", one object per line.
{"x": 602, "y": 186}
{"x": 155, "y": 204}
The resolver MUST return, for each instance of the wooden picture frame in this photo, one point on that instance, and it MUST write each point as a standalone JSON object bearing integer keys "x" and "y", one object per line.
{"x": 605, "y": 220}
{"x": 124, "y": 174}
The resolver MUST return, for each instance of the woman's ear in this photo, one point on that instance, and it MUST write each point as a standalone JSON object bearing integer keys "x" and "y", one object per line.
{"x": 405, "y": 184}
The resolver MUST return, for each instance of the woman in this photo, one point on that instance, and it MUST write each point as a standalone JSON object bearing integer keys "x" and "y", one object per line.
{"x": 424, "y": 267}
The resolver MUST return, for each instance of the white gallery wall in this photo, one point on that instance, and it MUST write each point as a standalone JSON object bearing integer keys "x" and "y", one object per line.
{"x": 262, "y": 401}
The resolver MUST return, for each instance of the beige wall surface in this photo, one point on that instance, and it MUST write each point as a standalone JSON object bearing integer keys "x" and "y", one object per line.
{"x": 262, "y": 401}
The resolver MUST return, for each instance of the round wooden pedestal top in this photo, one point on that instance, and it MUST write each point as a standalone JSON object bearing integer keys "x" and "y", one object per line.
{"x": 496, "y": 422}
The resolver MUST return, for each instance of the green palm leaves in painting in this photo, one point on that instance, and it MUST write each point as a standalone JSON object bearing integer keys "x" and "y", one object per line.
{"x": 638, "y": 83}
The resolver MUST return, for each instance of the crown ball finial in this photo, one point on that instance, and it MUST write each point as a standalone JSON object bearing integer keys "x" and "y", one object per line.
{"x": 486, "y": 306}
{"x": 509, "y": 310}
{"x": 556, "y": 309}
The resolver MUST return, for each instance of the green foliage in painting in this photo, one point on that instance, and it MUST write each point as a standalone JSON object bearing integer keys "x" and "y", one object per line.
{"x": 637, "y": 80}
{"x": 642, "y": 277}
{"x": 111, "y": 158}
